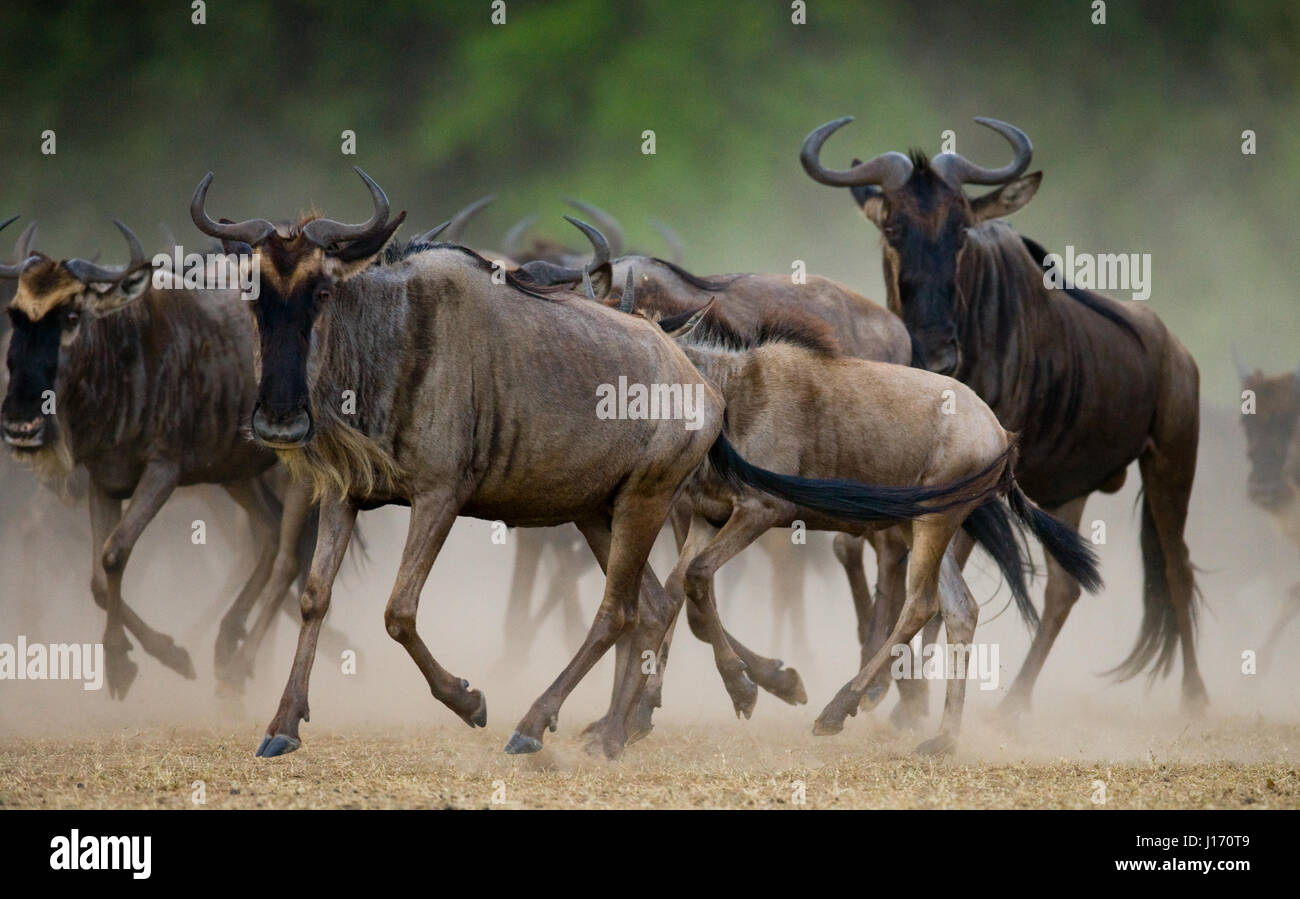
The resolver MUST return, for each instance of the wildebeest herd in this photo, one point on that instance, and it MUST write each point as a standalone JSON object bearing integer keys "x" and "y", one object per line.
{"x": 979, "y": 404}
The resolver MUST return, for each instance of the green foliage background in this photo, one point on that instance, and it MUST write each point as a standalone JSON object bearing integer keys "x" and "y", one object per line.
{"x": 1137, "y": 125}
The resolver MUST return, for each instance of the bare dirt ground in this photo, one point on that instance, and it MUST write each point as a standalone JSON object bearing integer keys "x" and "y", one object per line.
{"x": 710, "y": 765}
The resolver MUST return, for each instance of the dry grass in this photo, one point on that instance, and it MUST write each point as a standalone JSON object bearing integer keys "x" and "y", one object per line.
{"x": 704, "y": 766}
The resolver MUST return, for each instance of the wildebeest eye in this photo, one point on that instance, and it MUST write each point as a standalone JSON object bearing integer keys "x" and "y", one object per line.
{"x": 323, "y": 293}
{"x": 892, "y": 231}
{"x": 70, "y": 318}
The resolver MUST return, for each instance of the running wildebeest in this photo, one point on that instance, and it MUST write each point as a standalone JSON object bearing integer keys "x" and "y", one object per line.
{"x": 1089, "y": 384}
{"x": 863, "y": 329}
{"x": 147, "y": 389}
{"x": 1273, "y": 445}
{"x": 795, "y": 404}
{"x": 477, "y": 396}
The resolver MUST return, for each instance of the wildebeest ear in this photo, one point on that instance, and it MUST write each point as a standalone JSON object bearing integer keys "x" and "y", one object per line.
{"x": 369, "y": 246}
{"x": 115, "y": 296}
{"x": 861, "y": 193}
{"x": 680, "y": 326}
{"x": 602, "y": 280}
{"x": 1006, "y": 199}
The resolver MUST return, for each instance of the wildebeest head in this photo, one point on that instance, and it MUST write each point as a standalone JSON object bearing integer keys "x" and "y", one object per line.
{"x": 1270, "y": 433}
{"x": 46, "y": 313}
{"x": 924, "y": 215}
{"x": 299, "y": 268}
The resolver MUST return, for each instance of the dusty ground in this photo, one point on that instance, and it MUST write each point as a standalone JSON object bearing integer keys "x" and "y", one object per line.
{"x": 711, "y": 765}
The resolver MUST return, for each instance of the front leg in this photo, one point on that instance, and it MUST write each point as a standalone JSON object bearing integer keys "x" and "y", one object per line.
{"x": 123, "y": 530}
{"x": 337, "y": 518}
{"x": 432, "y": 516}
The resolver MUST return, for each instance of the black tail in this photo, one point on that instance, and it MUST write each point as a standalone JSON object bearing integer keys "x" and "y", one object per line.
{"x": 852, "y": 500}
{"x": 990, "y": 526}
{"x": 1158, "y": 638}
{"x": 1061, "y": 542}
{"x": 306, "y": 546}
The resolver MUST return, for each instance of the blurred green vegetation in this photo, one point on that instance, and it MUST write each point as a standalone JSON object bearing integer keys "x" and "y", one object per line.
{"x": 1137, "y": 125}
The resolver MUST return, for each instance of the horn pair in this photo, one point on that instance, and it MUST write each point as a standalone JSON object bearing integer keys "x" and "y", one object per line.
{"x": 323, "y": 232}
{"x": 83, "y": 270}
{"x": 890, "y": 171}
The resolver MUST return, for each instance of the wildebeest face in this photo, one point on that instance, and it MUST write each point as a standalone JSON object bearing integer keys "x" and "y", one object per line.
{"x": 300, "y": 269}
{"x": 47, "y": 315}
{"x": 1270, "y": 433}
{"x": 924, "y": 215}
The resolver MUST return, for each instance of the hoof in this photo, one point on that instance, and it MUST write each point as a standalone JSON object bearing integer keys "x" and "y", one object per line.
{"x": 477, "y": 718}
{"x": 940, "y": 745}
{"x": 178, "y": 660}
{"x": 280, "y": 744}
{"x": 744, "y": 695}
{"x": 903, "y": 717}
{"x": 121, "y": 676}
{"x": 522, "y": 745}
{"x": 827, "y": 727}
{"x": 639, "y": 723}
{"x": 789, "y": 687}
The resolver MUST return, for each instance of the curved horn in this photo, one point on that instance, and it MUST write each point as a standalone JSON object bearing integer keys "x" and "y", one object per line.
{"x": 88, "y": 272}
{"x": 539, "y": 271}
{"x": 20, "y": 249}
{"x": 603, "y": 220}
{"x": 516, "y": 234}
{"x": 26, "y": 241}
{"x": 670, "y": 237}
{"x": 627, "y": 302}
{"x": 460, "y": 219}
{"x": 169, "y": 236}
{"x": 251, "y": 232}
{"x": 957, "y": 169}
{"x": 889, "y": 170}
{"x": 327, "y": 232}
{"x": 430, "y": 235}
{"x": 1242, "y": 372}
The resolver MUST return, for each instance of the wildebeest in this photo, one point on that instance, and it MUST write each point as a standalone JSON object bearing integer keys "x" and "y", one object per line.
{"x": 146, "y": 387}
{"x": 1089, "y": 384}
{"x": 1273, "y": 445}
{"x": 862, "y": 328}
{"x": 796, "y": 405}
{"x": 476, "y": 396}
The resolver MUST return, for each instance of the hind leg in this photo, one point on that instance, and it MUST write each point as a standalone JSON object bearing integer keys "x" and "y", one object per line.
{"x": 930, "y": 537}
{"x": 297, "y": 506}
{"x": 518, "y": 624}
{"x": 1062, "y": 593}
{"x": 1167, "y": 483}
{"x": 262, "y": 510}
{"x": 1290, "y": 609}
{"x": 960, "y": 614}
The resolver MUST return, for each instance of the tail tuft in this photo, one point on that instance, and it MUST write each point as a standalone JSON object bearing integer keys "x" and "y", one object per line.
{"x": 1062, "y": 543}
{"x": 990, "y": 526}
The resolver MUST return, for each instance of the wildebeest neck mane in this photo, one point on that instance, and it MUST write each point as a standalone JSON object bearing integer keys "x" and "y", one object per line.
{"x": 396, "y": 253}
{"x": 785, "y": 326}
{"x": 710, "y": 284}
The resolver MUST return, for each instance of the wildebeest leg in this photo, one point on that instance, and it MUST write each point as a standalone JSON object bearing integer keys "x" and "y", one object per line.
{"x": 632, "y": 532}
{"x": 297, "y": 506}
{"x": 563, "y": 590}
{"x": 432, "y": 515}
{"x": 789, "y": 571}
{"x": 891, "y": 592}
{"x": 749, "y": 521}
{"x": 960, "y": 614}
{"x": 253, "y": 497}
{"x": 518, "y": 624}
{"x": 1062, "y": 592}
{"x": 930, "y": 537}
{"x": 337, "y": 519}
{"x": 848, "y": 551}
{"x": 155, "y": 486}
{"x": 1168, "y": 468}
{"x": 639, "y": 722}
